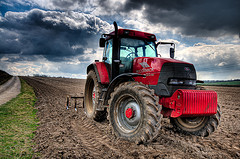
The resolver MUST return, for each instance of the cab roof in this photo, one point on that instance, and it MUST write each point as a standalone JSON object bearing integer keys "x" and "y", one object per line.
{"x": 134, "y": 34}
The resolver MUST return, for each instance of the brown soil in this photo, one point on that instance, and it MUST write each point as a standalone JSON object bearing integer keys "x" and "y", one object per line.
{"x": 69, "y": 134}
{"x": 4, "y": 77}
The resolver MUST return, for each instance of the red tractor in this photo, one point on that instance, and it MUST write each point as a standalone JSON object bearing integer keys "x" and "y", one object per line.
{"x": 134, "y": 88}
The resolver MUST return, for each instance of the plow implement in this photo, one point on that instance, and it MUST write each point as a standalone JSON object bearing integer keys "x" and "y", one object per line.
{"x": 74, "y": 101}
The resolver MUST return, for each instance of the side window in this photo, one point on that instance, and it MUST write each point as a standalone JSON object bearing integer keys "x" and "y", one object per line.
{"x": 108, "y": 51}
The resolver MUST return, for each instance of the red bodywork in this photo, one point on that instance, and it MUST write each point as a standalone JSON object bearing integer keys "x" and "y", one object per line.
{"x": 151, "y": 67}
{"x": 183, "y": 102}
{"x": 186, "y": 103}
{"x": 103, "y": 73}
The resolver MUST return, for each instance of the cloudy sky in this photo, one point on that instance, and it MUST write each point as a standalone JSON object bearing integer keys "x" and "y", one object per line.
{"x": 60, "y": 37}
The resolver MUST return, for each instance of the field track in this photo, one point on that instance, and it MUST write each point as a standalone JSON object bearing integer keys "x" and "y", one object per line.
{"x": 69, "y": 134}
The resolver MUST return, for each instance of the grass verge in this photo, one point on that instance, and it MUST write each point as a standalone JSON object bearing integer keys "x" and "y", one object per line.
{"x": 227, "y": 83}
{"x": 17, "y": 124}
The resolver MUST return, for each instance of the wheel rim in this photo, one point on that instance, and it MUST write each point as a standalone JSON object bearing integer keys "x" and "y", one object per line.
{"x": 191, "y": 122}
{"x": 127, "y": 113}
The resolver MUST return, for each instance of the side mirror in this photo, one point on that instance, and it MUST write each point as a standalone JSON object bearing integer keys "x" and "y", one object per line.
{"x": 102, "y": 42}
{"x": 172, "y": 53}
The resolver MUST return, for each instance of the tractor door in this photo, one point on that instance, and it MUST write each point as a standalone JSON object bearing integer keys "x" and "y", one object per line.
{"x": 128, "y": 52}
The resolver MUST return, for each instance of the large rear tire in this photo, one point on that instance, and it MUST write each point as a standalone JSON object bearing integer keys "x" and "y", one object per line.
{"x": 200, "y": 126}
{"x": 134, "y": 113}
{"x": 91, "y": 95}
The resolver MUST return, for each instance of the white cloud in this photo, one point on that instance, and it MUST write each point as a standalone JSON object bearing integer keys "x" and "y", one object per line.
{"x": 221, "y": 64}
{"x": 138, "y": 21}
{"x": 213, "y": 61}
{"x": 44, "y": 67}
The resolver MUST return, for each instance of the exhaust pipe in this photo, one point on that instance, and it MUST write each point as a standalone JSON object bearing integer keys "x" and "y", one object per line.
{"x": 116, "y": 28}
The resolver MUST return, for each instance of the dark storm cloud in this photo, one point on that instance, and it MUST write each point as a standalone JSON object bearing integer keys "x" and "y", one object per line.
{"x": 201, "y": 18}
{"x": 54, "y": 35}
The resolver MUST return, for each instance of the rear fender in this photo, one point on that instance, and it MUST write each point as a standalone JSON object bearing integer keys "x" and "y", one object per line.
{"x": 101, "y": 72}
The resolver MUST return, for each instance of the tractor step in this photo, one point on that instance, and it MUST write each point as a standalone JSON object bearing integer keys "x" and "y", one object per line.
{"x": 68, "y": 101}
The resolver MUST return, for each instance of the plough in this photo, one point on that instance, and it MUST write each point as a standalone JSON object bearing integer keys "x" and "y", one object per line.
{"x": 69, "y": 100}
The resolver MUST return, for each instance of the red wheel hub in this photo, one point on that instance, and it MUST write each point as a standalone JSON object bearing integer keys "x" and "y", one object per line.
{"x": 129, "y": 113}
{"x": 94, "y": 95}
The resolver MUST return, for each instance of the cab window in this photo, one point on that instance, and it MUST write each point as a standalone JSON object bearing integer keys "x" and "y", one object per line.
{"x": 108, "y": 51}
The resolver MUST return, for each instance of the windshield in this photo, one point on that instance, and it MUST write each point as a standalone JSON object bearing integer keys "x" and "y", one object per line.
{"x": 131, "y": 48}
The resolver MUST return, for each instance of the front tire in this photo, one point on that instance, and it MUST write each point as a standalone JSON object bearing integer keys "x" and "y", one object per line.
{"x": 200, "y": 126}
{"x": 91, "y": 95}
{"x": 134, "y": 113}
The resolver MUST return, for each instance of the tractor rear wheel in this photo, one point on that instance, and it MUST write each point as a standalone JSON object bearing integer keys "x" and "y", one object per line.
{"x": 134, "y": 113}
{"x": 200, "y": 126}
{"x": 91, "y": 95}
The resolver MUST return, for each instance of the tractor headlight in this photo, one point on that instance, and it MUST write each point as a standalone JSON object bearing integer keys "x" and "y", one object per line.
{"x": 175, "y": 81}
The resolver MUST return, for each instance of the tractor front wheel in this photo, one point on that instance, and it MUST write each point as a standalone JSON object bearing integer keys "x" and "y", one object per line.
{"x": 134, "y": 112}
{"x": 92, "y": 93}
{"x": 200, "y": 126}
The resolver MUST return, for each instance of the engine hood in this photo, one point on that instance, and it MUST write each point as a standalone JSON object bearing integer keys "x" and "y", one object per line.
{"x": 152, "y": 64}
{"x": 160, "y": 70}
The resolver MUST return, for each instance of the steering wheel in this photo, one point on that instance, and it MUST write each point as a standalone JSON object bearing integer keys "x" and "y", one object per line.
{"x": 130, "y": 55}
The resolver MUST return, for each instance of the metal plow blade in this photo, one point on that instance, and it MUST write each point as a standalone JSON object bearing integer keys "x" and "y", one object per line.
{"x": 74, "y": 100}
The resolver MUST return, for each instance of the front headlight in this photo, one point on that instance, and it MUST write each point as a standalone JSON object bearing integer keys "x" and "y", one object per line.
{"x": 175, "y": 81}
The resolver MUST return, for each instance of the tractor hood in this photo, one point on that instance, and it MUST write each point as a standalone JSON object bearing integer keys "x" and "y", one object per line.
{"x": 162, "y": 70}
{"x": 152, "y": 64}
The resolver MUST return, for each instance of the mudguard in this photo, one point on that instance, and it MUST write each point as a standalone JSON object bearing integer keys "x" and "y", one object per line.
{"x": 101, "y": 72}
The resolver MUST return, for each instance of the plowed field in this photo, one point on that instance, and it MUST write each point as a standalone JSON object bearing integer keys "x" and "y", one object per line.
{"x": 69, "y": 134}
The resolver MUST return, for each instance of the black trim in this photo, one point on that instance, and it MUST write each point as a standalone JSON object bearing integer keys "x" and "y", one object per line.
{"x": 115, "y": 53}
{"x": 97, "y": 73}
{"x": 173, "y": 70}
{"x": 199, "y": 81}
{"x": 108, "y": 66}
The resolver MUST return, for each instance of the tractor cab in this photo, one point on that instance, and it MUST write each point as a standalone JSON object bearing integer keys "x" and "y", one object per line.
{"x": 131, "y": 44}
{"x": 122, "y": 46}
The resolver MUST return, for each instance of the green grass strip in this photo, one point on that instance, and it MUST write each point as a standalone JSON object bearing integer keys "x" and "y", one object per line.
{"x": 227, "y": 83}
{"x": 17, "y": 124}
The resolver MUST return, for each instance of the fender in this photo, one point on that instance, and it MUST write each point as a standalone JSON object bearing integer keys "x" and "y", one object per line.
{"x": 116, "y": 81}
{"x": 101, "y": 72}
